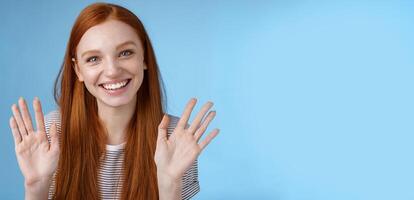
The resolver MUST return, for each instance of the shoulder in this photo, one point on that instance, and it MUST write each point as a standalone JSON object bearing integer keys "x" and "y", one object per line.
{"x": 173, "y": 123}
{"x": 173, "y": 120}
{"x": 52, "y": 117}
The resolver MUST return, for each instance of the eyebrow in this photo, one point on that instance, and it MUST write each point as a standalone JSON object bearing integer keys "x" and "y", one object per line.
{"x": 130, "y": 42}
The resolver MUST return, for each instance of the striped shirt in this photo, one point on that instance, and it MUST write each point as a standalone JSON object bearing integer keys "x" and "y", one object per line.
{"x": 110, "y": 173}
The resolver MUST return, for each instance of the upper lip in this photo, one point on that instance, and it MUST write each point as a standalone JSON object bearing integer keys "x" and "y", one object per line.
{"x": 114, "y": 81}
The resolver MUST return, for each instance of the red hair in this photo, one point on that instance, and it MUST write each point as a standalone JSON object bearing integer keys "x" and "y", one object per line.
{"x": 83, "y": 137}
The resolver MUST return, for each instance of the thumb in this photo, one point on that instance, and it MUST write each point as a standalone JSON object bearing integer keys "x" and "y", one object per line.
{"x": 54, "y": 139}
{"x": 162, "y": 128}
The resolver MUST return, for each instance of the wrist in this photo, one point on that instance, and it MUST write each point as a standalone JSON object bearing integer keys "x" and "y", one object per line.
{"x": 28, "y": 183}
{"x": 37, "y": 188}
{"x": 169, "y": 187}
{"x": 167, "y": 180}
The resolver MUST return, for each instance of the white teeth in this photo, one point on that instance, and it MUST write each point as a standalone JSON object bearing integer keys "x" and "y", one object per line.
{"x": 114, "y": 86}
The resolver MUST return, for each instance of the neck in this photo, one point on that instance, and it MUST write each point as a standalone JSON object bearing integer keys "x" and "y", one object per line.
{"x": 116, "y": 120}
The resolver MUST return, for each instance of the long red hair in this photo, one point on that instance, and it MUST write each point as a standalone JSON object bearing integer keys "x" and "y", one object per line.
{"x": 83, "y": 137}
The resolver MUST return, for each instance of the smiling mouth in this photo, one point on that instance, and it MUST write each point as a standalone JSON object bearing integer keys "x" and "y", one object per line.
{"x": 115, "y": 86}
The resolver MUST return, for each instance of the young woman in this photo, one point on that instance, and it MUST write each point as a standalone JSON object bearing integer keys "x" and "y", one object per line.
{"x": 110, "y": 138}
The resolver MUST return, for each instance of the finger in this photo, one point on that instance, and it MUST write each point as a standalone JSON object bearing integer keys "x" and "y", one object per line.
{"x": 208, "y": 139}
{"x": 186, "y": 114}
{"x": 40, "y": 122}
{"x": 54, "y": 138}
{"x": 204, "y": 126}
{"x": 196, "y": 122}
{"x": 15, "y": 130}
{"x": 26, "y": 115}
{"x": 19, "y": 120}
{"x": 162, "y": 128}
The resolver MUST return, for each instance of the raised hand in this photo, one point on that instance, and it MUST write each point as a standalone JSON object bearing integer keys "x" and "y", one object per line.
{"x": 176, "y": 153}
{"x": 36, "y": 157}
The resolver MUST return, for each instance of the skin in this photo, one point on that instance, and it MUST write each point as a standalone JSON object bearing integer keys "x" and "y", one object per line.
{"x": 101, "y": 59}
{"x": 38, "y": 158}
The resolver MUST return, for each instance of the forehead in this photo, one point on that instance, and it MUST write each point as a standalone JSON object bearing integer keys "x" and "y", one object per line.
{"x": 107, "y": 35}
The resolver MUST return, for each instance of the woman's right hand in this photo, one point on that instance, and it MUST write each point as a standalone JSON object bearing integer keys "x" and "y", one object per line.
{"x": 36, "y": 157}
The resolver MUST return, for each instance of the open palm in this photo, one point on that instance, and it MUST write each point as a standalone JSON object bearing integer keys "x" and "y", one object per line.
{"x": 176, "y": 153}
{"x": 37, "y": 157}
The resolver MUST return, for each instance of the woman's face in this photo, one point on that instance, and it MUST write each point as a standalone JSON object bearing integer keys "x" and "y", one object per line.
{"x": 110, "y": 62}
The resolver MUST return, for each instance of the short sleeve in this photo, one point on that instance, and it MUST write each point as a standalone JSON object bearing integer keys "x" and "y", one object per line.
{"x": 190, "y": 183}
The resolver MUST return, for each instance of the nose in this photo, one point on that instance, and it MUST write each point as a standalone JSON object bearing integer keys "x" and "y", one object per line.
{"x": 112, "y": 68}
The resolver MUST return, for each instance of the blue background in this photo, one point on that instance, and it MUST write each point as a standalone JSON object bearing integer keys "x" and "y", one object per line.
{"x": 314, "y": 98}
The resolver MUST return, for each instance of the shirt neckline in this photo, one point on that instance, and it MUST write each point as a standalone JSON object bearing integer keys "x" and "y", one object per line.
{"x": 115, "y": 147}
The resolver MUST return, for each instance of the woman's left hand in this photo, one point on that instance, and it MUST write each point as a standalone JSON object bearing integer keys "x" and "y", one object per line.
{"x": 176, "y": 153}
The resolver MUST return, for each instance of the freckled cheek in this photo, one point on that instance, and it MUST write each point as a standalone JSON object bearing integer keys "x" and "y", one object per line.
{"x": 134, "y": 65}
{"x": 91, "y": 77}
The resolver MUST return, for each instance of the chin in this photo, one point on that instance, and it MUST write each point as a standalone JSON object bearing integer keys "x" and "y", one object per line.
{"x": 118, "y": 101}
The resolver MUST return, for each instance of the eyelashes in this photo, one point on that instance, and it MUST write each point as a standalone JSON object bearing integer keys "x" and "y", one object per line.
{"x": 125, "y": 53}
{"x": 92, "y": 59}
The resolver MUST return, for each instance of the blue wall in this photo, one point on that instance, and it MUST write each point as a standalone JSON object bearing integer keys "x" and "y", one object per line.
{"x": 314, "y": 98}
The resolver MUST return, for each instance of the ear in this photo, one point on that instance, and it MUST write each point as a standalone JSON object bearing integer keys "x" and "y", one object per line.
{"x": 77, "y": 70}
{"x": 145, "y": 66}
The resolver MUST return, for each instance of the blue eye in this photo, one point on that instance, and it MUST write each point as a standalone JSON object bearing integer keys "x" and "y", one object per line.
{"x": 126, "y": 53}
{"x": 92, "y": 59}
